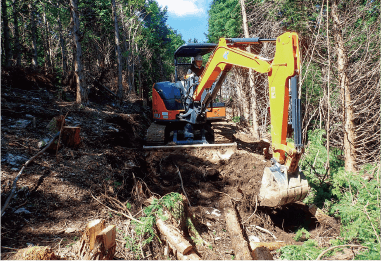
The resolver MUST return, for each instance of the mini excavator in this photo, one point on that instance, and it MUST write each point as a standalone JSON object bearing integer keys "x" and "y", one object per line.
{"x": 183, "y": 111}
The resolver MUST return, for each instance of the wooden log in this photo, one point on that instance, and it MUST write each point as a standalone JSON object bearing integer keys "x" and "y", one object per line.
{"x": 239, "y": 244}
{"x": 71, "y": 137}
{"x": 270, "y": 245}
{"x": 174, "y": 237}
{"x": 261, "y": 253}
{"x": 190, "y": 256}
{"x": 323, "y": 218}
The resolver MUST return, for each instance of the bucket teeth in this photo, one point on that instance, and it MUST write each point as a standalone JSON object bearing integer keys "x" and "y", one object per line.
{"x": 279, "y": 188}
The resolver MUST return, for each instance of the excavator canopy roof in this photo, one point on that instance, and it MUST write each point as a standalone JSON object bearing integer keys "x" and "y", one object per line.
{"x": 193, "y": 49}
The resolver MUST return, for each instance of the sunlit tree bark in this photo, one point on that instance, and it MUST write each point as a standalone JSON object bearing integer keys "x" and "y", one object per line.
{"x": 7, "y": 40}
{"x": 119, "y": 54}
{"x": 82, "y": 94}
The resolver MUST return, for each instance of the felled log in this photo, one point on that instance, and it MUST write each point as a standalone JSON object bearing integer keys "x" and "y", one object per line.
{"x": 261, "y": 250}
{"x": 323, "y": 218}
{"x": 270, "y": 245}
{"x": 174, "y": 237}
{"x": 97, "y": 242}
{"x": 239, "y": 244}
{"x": 71, "y": 137}
{"x": 173, "y": 229}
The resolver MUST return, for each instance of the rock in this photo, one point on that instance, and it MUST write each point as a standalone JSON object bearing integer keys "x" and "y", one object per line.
{"x": 42, "y": 143}
{"x": 15, "y": 160}
{"x": 21, "y": 124}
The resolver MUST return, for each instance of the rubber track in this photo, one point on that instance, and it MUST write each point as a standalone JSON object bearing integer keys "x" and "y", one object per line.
{"x": 155, "y": 135}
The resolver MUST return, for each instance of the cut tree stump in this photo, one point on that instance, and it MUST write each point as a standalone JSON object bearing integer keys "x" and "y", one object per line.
{"x": 70, "y": 136}
{"x": 239, "y": 244}
{"x": 97, "y": 242}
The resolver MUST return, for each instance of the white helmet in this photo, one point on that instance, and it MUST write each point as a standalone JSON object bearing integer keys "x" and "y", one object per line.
{"x": 198, "y": 58}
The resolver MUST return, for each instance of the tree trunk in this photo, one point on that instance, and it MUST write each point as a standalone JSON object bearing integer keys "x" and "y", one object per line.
{"x": 119, "y": 55}
{"x": 127, "y": 45}
{"x": 256, "y": 132}
{"x": 82, "y": 95}
{"x": 348, "y": 115}
{"x": 7, "y": 42}
{"x": 34, "y": 33}
{"x": 62, "y": 42}
{"x": 48, "y": 58}
{"x": 17, "y": 34}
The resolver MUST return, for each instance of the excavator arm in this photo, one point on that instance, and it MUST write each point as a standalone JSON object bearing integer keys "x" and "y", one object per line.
{"x": 282, "y": 70}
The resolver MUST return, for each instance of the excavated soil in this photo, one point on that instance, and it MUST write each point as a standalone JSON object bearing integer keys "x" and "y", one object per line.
{"x": 61, "y": 191}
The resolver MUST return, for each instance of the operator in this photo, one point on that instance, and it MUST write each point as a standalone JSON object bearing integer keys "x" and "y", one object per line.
{"x": 197, "y": 67}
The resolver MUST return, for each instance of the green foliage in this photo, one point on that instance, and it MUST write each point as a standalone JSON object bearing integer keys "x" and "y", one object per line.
{"x": 302, "y": 233}
{"x": 146, "y": 228}
{"x": 236, "y": 119}
{"x": 313, "y": 165}
{"x": 345, "y": 195}
{"x": 225, "y": 20}
{"x": 307, "y": 251}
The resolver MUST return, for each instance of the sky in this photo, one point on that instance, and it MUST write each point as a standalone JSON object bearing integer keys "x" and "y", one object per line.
{"x": 188, "y": 17}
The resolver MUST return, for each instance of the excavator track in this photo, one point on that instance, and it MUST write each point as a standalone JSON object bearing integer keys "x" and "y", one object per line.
{"x": 155, "y": 135}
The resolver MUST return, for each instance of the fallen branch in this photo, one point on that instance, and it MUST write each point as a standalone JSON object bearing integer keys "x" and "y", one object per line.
{"x": 264, "y": 230}
{"x": 333, "y": 247}
{"x": 117, "y": 212}
{"x": 182, "y": 186}
{"x": 21, "y": 171}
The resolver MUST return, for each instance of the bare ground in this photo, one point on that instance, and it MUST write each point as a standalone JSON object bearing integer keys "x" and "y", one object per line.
{"x": 60, "y": 192}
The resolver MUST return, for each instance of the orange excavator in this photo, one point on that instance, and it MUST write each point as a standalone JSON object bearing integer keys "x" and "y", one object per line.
{"x": 183, "y": 111}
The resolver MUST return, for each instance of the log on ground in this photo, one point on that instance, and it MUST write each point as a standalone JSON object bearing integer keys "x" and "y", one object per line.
{"x": 239, "y": 244}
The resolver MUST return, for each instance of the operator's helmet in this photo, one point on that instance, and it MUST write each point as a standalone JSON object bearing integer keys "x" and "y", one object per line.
{"x": 198, "y": 58}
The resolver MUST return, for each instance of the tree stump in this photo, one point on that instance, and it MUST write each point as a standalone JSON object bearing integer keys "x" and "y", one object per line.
{"x": 97, "y": 242}
{"x": 70, "y": 136}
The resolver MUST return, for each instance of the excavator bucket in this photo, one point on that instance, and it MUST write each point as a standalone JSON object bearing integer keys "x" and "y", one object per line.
{"x": 279, "y": 187}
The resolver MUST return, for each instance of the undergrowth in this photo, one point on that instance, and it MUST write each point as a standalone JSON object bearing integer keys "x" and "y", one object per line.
{"x": 145, "y": 231}
{"x": 344, "y": 195}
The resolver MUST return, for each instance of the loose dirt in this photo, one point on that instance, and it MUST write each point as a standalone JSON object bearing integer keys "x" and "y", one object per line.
{"x": 56, "y": 195}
